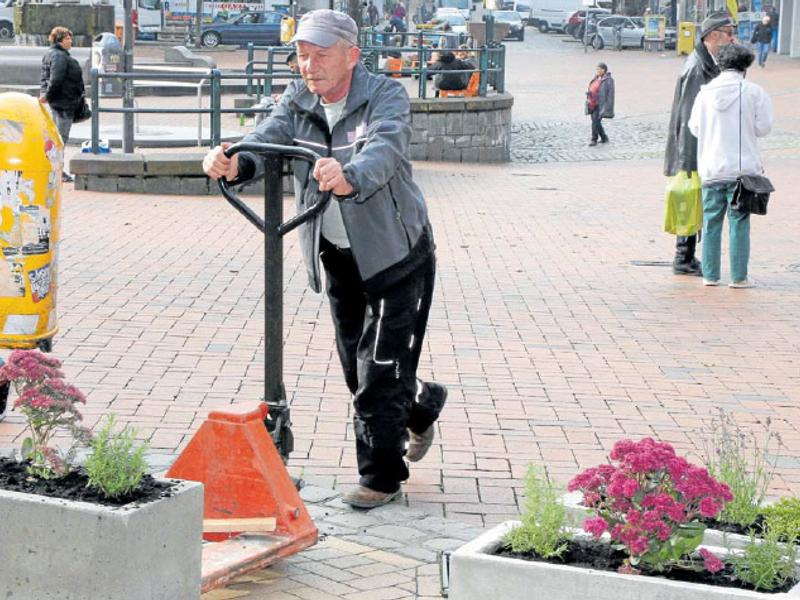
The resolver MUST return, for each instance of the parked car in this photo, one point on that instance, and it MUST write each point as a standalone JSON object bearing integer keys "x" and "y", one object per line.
{"x": 457, "y": 22}
{"x": 261, "y": 28}
{"x": 513, "y": 20}
{"x": 631, "y": 32}
{"x": 670, "y": 38}
{"x": 574, "y": 25}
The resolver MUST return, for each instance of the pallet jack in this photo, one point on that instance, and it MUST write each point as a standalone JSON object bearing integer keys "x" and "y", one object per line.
{"x": 253, "y": 514}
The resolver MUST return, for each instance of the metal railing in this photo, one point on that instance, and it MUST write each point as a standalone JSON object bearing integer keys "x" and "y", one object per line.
{"x": 491, "y": 60}
{"x": 212, "y": 79}
{"x": 491, "y": 66}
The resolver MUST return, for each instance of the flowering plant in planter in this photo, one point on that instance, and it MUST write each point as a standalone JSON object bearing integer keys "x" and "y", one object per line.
{"x": 48, "y": 404}
{"x": 650, "y": 501}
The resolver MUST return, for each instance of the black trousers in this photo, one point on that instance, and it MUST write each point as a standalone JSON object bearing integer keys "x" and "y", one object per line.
{"x": 685, "y": 247}
{"x": 379, "y": 339}
{"x": 598, "y": 133}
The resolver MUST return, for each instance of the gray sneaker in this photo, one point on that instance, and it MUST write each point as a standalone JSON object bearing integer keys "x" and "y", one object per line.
{"x": 364, "y": 497}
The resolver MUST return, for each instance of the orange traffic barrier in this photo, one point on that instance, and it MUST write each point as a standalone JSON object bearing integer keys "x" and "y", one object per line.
{"x": 245, "y": 481}
{"x": 470, "y": 92}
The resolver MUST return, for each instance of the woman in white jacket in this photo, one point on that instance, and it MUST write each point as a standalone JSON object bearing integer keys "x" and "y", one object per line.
{"x": 728, "y": 116}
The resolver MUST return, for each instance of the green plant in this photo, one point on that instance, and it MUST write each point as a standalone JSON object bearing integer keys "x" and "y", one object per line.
{"x": 116, "y": 465}
{"x": 766, "y": 563}
{"x": 48, "y": 404}
{"x": 783, "y": 518}
{"x": 740, "y": 460}
{"x": 543, "y": 530}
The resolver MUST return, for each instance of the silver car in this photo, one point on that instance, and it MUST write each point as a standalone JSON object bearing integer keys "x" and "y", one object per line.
{"x": 629, "y": 29}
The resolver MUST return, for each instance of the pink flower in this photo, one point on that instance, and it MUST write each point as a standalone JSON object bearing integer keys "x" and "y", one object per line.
{"x": 48, "y": 403}
{"x": 596, "y": 526}
{"x": 644, "y": 494}
{"x": 709, "y": 508}
{"x": 711, "y": 562}
{"x": 629, "y": 488}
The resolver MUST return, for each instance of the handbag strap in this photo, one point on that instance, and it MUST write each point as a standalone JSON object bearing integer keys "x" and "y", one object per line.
{"x": 740, "y": 128}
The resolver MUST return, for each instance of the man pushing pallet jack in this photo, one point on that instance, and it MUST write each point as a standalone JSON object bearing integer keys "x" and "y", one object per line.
{"x": 373, "y": 239}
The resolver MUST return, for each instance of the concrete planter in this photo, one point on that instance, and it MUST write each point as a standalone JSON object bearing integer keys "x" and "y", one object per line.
{"x": 576, "y": 512}
{"x": 53, "y": 549}
{"x": 476, "y": 573}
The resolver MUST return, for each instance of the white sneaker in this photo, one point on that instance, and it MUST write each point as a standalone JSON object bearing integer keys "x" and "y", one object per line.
{"x": 710, "y": 282}
{"x": 741, "y": 285}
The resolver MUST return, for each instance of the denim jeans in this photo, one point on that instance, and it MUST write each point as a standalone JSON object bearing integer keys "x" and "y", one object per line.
{"x": 763, "y": 52}
{"x": 716, "y": 201}
{"x": 63, "y": 123}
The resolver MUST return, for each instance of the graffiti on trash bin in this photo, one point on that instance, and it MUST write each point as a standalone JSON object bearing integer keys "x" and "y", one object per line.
{"x": 24, "y": 231}
{"x": 11, "y": 131}
{"x": 54, "y": 153}
{"x": 40, "y": 283}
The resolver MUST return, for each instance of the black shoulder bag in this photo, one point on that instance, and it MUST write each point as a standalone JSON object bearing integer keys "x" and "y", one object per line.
{"x": 751, "y": 194}
{"x": 83, "y": 112}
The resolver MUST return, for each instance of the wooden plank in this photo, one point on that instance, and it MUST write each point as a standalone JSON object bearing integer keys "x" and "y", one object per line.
{"x": 259, "y": 524}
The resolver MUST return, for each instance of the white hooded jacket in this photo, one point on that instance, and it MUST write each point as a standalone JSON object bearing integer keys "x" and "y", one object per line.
{"x": 715, "y": 124}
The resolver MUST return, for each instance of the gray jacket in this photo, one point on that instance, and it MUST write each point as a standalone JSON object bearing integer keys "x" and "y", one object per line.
{"x": 386, "y": 218}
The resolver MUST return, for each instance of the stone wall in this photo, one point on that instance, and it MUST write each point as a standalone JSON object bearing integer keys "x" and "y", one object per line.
{"x": 462, "y": 129}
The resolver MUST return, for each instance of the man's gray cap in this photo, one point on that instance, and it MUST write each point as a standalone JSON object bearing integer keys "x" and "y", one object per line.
{"x": 714, "y": 21}
{"x": 325, "y": 27}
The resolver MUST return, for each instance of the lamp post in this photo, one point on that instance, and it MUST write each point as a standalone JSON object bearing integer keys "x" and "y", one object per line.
{"x": 127, "y": 66}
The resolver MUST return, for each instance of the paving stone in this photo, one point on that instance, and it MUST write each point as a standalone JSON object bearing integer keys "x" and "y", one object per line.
{"x": 377, "y": 582}
{"x": 396, "y": 533}
{"x": 314, "y": 494}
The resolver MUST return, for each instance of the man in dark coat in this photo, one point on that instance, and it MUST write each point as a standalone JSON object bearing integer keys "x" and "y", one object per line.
{"x": 762, "y": 37}
{"x": 716, "y": 31}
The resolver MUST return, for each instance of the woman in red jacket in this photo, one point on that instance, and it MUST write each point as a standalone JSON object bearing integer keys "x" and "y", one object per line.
{"x": 600, "y": 103}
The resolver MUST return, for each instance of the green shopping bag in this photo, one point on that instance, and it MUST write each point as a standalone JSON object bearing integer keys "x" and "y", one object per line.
{"x": 683, "y": 212}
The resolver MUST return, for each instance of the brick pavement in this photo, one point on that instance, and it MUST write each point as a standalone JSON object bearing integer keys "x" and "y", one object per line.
{"x": 553, "y": 342}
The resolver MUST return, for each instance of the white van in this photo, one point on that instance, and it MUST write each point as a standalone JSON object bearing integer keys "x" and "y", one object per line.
{"x": 553, "y": 15}
{"x": 7, "y": 19}
{"x": 148, "y": 15}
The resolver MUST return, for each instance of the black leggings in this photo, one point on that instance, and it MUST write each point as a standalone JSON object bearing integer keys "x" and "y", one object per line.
{"x": 598, "y": 133}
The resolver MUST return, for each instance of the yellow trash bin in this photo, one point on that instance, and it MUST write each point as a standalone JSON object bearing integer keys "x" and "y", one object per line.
{"x": 686, "y": 33}
{"x": 287, "y": 29}
{"x": 31, "y": 163}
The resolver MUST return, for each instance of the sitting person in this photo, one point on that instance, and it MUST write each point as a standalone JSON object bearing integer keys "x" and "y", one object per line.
{"x": 463, "y": 54}
{"x": 447, "y": 80}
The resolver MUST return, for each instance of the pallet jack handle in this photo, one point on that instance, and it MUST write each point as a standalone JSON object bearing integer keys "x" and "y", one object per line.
{"x": 284, "y": 152}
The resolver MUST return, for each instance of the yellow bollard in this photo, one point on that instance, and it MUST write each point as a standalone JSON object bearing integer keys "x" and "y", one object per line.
{"x": 31, "y": 163}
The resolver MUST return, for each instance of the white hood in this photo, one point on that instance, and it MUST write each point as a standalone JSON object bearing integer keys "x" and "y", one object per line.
{"x": 715, "y": 122}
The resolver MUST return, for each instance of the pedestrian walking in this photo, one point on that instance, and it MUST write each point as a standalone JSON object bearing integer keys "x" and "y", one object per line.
{"x": 729, "y": 115}
{"x": 774, "y": 19}
{"x": 716, "y": 31}
{"x": 374, "y": 241}
{"x": 398, "y": 20}
{"x": 600, "y": 103}
{"x": 372, "y": 14}
{"x": 62, "y": 84}
{"x": 762, "y": 38}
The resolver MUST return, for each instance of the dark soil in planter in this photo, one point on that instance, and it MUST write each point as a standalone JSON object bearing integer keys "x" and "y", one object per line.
{"x": 595, "y": 554}
{"x": 733, "y": 528}
{"x": 72, "y": 486}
